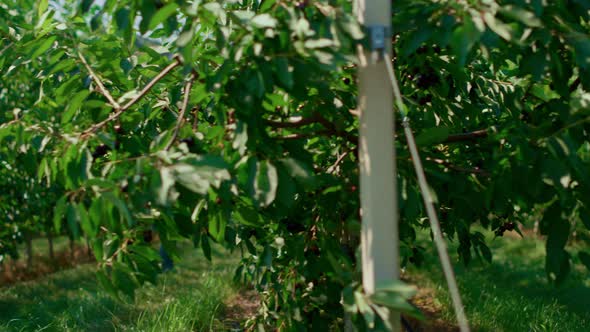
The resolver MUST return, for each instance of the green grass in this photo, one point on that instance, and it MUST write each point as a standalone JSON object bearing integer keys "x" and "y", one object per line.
{"x": 190, "y": 298}
{"x": 512, "y": 293}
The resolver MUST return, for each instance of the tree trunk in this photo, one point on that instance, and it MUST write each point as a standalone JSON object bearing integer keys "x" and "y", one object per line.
{"x": 88, "y": 249}
{"x": 50, "y": 243}
{"x": 29, "y": 250}
{"x": 72, "y": 247}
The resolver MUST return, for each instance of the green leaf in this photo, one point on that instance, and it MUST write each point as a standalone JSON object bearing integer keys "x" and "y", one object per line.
{"x": 265, "y": 183}
{"x": 584, "y": 214}
{"x": 348, "y": 301}
{"x": 198, "y": 174}
{"x": 352, "y": 27}
{"x": 85, "y": 222}
{"x": 43, "y": 47}
{"x": 163, "y": 14}
{"x": 398, "y": 287}
{"x": 121, "y": 206}
{"x": 364, "y": 309}
{"x": 264, "y": 21}
{"x": 434, "y": 135}
{"x": 396, "y": 303}
{"x": 123, "y": 279}
{"x": 534, "y": 64}
{"x": 557, "y": 262}
{"x": 497, "y": 26}
{"x": 74, "y": 106}
{"x": 42, "y": 7}
{"x": 217, "y": 224}
{"x": 248, "y": 216}
{"x": 464, "y": 38}
{"x": 584, "y": 258}
{"x": 165, "y": 183}
{"x": 206, "y": 246}
{"x": 185, "y": 38}
{"x": 73, "y": 218}
{"x": 106, "y": 284}
{"x": 241, "y": 137}
{"x": 147, "y": 252}
{"x": 521, "y": 15}
{"x": 319, "y": 43}
{"x": 197, "y": 210}
{"x": 58, "y": 213}
{"x": 123, "y": 20}
{"x": 298, "y": 170}
{"x": 85, "y": 5}
{"x": 217, "y": 10}
{"x": 485, "y": 250}
{"x": 284, "y": 73}
{"x": 97, "y": 248}
{"x": 286, "y": 189}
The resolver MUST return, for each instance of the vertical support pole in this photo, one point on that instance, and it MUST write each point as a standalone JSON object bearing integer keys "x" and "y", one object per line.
{"x": 378, "y": 188}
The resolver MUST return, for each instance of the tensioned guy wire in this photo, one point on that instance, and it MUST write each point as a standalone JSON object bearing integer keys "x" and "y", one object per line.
{"x": 428, "y": 202}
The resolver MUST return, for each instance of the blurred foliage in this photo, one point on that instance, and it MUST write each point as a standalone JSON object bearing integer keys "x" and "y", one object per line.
{"x": 261, "y": 154}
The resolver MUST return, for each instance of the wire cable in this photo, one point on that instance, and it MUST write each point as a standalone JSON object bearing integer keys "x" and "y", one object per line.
{"x": 428, "y": 203}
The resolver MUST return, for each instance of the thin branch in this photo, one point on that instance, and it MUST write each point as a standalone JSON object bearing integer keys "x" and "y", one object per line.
{"x": 101, "y": 87}
{"x": 142, "y": 93}
{"x": 354, "y": 112}
{"x": 334, "y": 131}
{"x": 575, "y": 84}
{"x": 324, "y": 132}
{"x": 187, "y": 92}
{"x": 9, "y": 45}
{"x": 177, "y": 62}
{"x": 471, "y": 136}
{"x": 196, "y": 118}
{"x": 332, "y": 168}
{"x": 330, "y": 130}
{"x": 569, "y": 126}
{"x": 447, "y": 164}
{"x": 293, "y": 123}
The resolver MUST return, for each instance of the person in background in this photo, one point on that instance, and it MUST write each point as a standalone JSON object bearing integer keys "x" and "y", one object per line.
{"x": 167, "y": 262}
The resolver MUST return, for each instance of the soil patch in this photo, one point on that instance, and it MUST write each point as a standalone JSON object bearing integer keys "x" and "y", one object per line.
{"x": 16, "y": 271}
{"x": 425, "y": 301}
{"x": 240, "y": 308}
{"x": 245, "y": 304}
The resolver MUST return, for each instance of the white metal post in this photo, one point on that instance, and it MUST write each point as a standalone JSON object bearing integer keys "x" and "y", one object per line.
{"x": 378, "y": 188}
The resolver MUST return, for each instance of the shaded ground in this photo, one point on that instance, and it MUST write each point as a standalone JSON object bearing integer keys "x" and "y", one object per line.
{"x": 432, "y": 309}
{"x": 190, "y": 298}
{"x": 239, "y": 308}
{"x": 510, "y": 294}
{"x": 16, "y": 271}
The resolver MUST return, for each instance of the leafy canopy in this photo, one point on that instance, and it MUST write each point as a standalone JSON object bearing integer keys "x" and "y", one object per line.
{"x": 235, "y": 122}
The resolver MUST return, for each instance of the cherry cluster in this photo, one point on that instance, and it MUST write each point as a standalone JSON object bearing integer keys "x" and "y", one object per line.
{"x": 507, "y": 226}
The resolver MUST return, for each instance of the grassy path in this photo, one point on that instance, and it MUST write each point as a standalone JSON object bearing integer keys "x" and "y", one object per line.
{"x": 511, "y": 294}
{"x": 190, "y": 298}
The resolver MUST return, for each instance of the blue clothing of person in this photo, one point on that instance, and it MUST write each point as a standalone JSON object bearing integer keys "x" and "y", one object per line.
{"x": 167, "y": 263}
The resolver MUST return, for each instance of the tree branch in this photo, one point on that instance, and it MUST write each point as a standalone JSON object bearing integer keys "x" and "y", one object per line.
{"x": 293, "y": 122}
{"x": 330, "y": 130}
{"x": 187, "y": 92}
{"x": 142, "y": 93}
{"x": 447, "y": 164}
{"x": 324, "y": 132}
{"x": 332, "y": 168}
{"x": 470, "y": 136}
{"x": 177, "y": 62}
{"x": 101, "y": 87}
{"x": 334, "y": 131}
{"x": 9, "y": 45}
